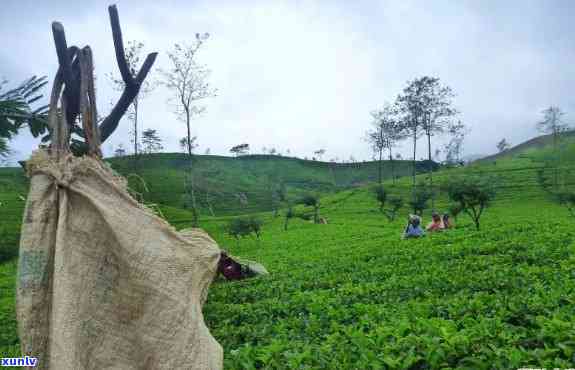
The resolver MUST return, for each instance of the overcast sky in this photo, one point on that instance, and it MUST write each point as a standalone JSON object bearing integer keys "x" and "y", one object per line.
{"x": 304, "y": 75}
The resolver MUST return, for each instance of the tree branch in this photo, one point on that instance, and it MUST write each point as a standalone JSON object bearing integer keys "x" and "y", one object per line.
{"x": 119, "y": 46}
{"x": 132, "y": 86}
{"x": 62, "y": 51}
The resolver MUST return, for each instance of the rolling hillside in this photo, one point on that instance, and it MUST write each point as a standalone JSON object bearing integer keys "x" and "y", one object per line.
{"x": 532, "y": 146}
{"x": 244, "y": 184}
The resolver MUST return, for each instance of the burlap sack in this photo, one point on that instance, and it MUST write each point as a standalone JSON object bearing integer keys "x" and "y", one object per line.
{"x": 105, "y": 284}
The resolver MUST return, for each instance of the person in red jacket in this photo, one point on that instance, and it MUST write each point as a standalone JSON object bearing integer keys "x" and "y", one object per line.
{"x": 436, "y": 223}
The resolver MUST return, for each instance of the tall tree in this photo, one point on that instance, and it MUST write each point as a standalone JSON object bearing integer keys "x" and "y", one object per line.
{"x": 386, "y": 132}
{"x": 427, "y": 108}
{"x": 409, "y": 106}
{"x": 454, "y": 148}
{"x": 151, "y": 141}
{"x": 553, "y": 124}
{"x": 133, "y": 53}
{"x": 503, "y": 145}
{"x": 438, "y": 110}
{"x": 188, "y": 81}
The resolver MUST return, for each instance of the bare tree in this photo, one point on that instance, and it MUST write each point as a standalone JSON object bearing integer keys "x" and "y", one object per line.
{"x": 387, "y": 131}
{"x": 454, "y": 148}
{"x": 503, "y": 145}
{"x": 438, "y": 111}
{"x": 553, "y": 124}
{"x": 409, "y": 106}
{"x": 188, "y": 81}
{"x": 427, "y": 109}
{"x": 133, "y": 53}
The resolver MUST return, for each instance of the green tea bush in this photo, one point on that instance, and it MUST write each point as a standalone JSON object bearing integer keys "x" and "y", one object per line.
{"x": 420, "y": 198}
{"x": 244, "y": 226}
{"x": 473, "y": 194}
{"x": 312, "y": 200}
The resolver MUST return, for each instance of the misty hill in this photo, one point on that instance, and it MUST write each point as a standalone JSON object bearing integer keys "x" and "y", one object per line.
{"x": 533, "y": 145}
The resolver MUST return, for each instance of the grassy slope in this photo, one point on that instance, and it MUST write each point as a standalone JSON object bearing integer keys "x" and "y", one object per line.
{"x": 223, "y": 178}
{"x": 350, "y": 294}
{"x": 13, "y": 189}
{"x": 531, "y": 146}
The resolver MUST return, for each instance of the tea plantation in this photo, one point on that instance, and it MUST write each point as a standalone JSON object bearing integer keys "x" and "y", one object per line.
{"x": 352, "y": 295}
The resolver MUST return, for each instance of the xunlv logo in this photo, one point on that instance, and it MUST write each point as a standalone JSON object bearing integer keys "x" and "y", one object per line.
{"x": 19, "y": 361}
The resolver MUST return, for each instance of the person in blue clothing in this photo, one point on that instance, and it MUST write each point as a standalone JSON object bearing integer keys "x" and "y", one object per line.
{"x": 413, "y": 229}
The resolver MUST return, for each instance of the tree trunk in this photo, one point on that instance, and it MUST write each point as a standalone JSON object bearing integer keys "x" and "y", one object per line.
{"x": 195, "y": 212}
{"x": 413, "y": 165}
{"x": 209, "y": 204}
{"x": 555, "y": 171}
{"x": 380, "y": 165}
{"x": 392, "y": 166}
{"x": 430, "y": 172}
{"x": 189, "y": 140}
{"x": 136, "y": 152}
{"x": 286, "y": 224}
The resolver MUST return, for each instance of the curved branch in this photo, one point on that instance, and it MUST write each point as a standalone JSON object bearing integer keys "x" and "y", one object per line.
{"x": 62, "y": 51}
{"x": 132, "y": 85}
{"x": 119, "y": 46}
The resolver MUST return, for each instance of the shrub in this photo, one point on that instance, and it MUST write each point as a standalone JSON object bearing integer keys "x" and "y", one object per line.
{"x": 395, "y": 203}
{"x": 8, "y": 245}
{"x": 312, "y": 200}
{"x": 289, "y": 214}
{"x": 420, "y": 199}
{"x": 455, "y": 210}
{"x": 380, "y": 196}
{"x": 566, "y": 199}
{"x": 244, "y": 226}
{"x": 473, "y": 194}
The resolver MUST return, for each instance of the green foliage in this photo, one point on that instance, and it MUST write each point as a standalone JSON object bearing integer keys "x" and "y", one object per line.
{"x": 420, "y": 198}
{"x": 288, "y": 215}
{"x": 224, "y": 177}
{"x": 349, "y": 295}
{"x": 473, "y": 194}
{"x": 380, "y": 196}
{"x": 151, "y": 141}
{"x": 455, "y": 209}
{"x": 244, "y": 226}
{"x": 567, "y": 199}
{"x": 355, "y": 298}
{"x": 395, "y": 202}
{"x": 312, "y": 200}
{"x": 16, "y": 110}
